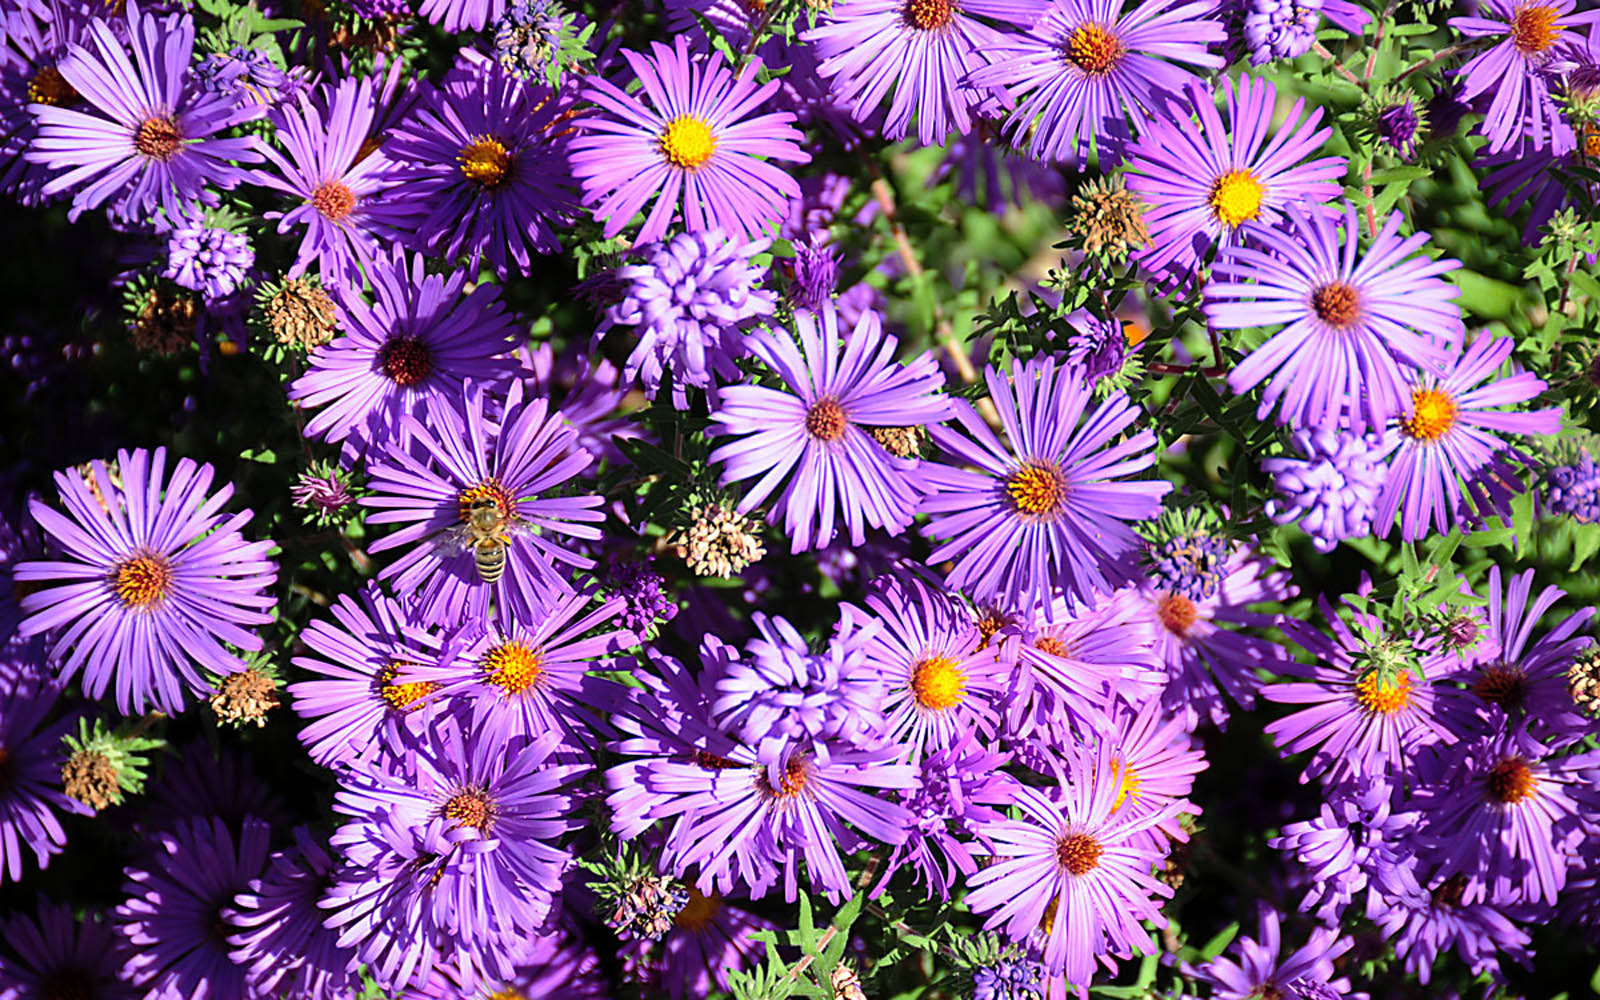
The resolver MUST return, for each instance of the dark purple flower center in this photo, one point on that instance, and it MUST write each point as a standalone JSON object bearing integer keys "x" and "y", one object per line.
{"x": 698, "y": 912}
{"x": 158, "y": 138}
{"x": 1079, "y": 853}
{"x": 1503, "y": 685}
{"x": 929, "y": 15}
{"x": 1447, "y": 894}
{"x": 406, "y": 360}
{"x": 333, "y": 200}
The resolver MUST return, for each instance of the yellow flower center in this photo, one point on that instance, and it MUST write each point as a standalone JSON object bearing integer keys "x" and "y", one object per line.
{"x": 687, "y": 142}
{"x": 698, "y": 912}
{"x": 48, "y": 86}
{"x": 514, "y": 666}
{"x": 1383, "y": 698}
{"x": 143, "y": 581}
{"x": 1038, "y": 489}
{"x": 1094, "y": 49}
{"x": 1236, "y": 197}
{"x": 1433, "y": 413}
{"x": 794, "y": 779}
{"x": 486, "y": 162}
{"x": 1534, "y": 28}
{"x": 1510, "y": 781}
{"x": 403, "y": 697}
{"x": 1079, "y": 853}
{"x": 468, "y": 809}
{"x": 938, "y": 683}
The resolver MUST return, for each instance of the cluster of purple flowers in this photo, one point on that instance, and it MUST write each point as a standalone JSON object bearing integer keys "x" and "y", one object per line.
{"x": 556, "y": 648}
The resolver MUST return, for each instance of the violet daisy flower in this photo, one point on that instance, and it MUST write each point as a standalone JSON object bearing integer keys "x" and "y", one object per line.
{"x": 815, "y": 434}
{"x": 1085, "y": 67}
{"x": 1518, "y": 69}
{"x": 462, "y": 15}
{"x": 553, "y": 963}
{"x": 421, "y": 342}
{"x": 360, "y": 704}
{"x": 1331, "y": 491}
{"x": 213, "y": 262}
{"x": 526, "y": 678}
{"x": 1073, "y": 869}
{"x": 1506, "y": 813}
{"x": 175, "y": 915}
{"x": 944, "y": 681}
{"x": 1261, "y": 971}
{"x": 925, "y": 50}
{"x": 690, "y": 303}
{"x": 59, "y": 956}
{"x": 589, "y": 391}
{"x": 341, "y": 183}
{"x": 1286, "y": 29}
{"x": 1354, "y": 842}
{"x": 1439, "y": 921}
{"x": 1363, "y": 725}
{"x": 1154, "y": 760}
{"x": 957, "y": 789}
{"x": 145, "y": 137}
{"x": 691, "y": 142}
{"x": 1524, "y": 676}
{"x": 154, "y": 580}
{"x": 486, "y": 170}
{"x": 449, "y": 856}
{"x": 1446, "y": 439}
{"x": 30, "y": 764}
{"x": 1349, "y": 324}
{"x": 278, "y": 934}
{"x": 516, "y": 460}
{"x": 1204, "y": 180}
{"x": 1047, "y": 509}
{"x": 34, "y": 38}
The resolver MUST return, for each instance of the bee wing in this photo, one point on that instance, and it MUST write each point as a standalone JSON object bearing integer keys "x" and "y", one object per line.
{"x": 455, "y": 539}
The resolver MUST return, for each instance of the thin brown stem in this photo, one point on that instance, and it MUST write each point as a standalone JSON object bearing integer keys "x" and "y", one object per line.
{"x": 1372, "y": 210}
{"x": 1339, "y": 67}
{"x": 1163, "y": 368}
{"x": 1442, "y": 54}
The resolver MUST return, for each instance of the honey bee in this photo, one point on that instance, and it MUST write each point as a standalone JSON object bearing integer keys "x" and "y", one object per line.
{"x": 486, "y": 533}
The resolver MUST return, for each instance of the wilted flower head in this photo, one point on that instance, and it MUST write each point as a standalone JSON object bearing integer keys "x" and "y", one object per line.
{"x": 719, "y": 541}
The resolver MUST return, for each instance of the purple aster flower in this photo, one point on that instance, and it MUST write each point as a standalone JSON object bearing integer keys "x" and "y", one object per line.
{"x": 691, "y": 143}
{"x": 1085, "y": 67}
{"x": 486, "y": 170}
{"x": 589, "y": 392}
{"x": 1014, "y": 975}
{"x": 736, "y": 21}
{"x": 1074, "y": 870}
{"x": 553, "y": 963}
{"x": 1286, "y": 29}
{"x": 925, "y": 50}
{"x": 34, "y": 38}
{"x": 815, "y": 434}
{"x": 1571, "y": 490}
{"x": 1507, "y": 814}
{"x": 175, "y": 914}
{"x": 1447, "y": 438}
{"x": 814, "y": 273}
{"x": 462, "y": 15}
{"x": 1363, "y": 724}
{"x": 359, "y": 704}
{"x": 957, "y": 787}
{"x": 1541, "y": 179}
{"x": 1354, "y": 842}
{"x": 709, "y": 939}
{"x": 213, "y": 262}
{"x": 647, "y": 603}
{"x": 30, "y": 771}
{"x": 1400, "y": 126}
{"x": 1097, "y": 347}
{"x": 1349, "y": 326}
{"x": 1332, "y": 490}
{"x": 1154, "y": 760}
{"x": 449, "y": 854}
{"x": 991, "y": 176}
{"x": 513, "y": 466}
{"x": 153, "y": 581}
{"x": 199, "y": 782}
{"x": 1527, "y": 677}
{"x": 1259, "y": 970}
{"x": 421, "y": 342}
{"x": 944, "y": 681}
{"x": 1048, "y": 509}
{"x": 58, "y": 957}
{"x": 1203, "y": 181}
{"x": 145, "y": 138}
{"x": 279, "y": 938}
{"x": 341, "y": 183}
{"x": 1528, "y": 54}
{"x": 523, "y": 679}
{"x": 690, "y": 303}
{"x": 1202, "y": 658}
{"x": 1425, "y": 928}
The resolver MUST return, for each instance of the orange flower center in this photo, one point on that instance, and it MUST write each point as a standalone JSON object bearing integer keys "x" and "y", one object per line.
{"x": 1510, "y": 781}
{"x": 158, "y": 138}
{"x": 1079, "y": 853}
{"x": 930, "y": 15}
{"x": 1502, "y": 684}
{"x": 1384, "y": 698}
{"x": 486, "y": 162}
{"x": 48, "y": 86}
{"x": 826, "y": 421}
{"x": 1038, "y": 489}
{"x": 1534, "y": 28}
{"x": 1177, "y": 613}
{"x": 1336, "y": 304}
{"x": 143, "y": 581}
{"x": 514, "y": 666}
{"x": 403, "y": 697}
{"x": 1433, "y": 413}
{"x": 794, "y": 779}
{"x": 1052, "y": 645}
{"x": 489, "y": 489}
{"x": 698, "y": 912}
{"x": 333, "y": 200}
{"x": 468, "y": 808}
{"x": 1094, "y": 49}
{"x": 938, "y": 683}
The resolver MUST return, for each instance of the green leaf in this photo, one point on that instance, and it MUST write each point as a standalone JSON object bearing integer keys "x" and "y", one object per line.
{"x": 1219, "y": 942}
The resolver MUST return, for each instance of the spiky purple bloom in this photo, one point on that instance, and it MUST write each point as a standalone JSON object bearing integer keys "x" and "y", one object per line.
{"x": 485, "y": 169}
{"x": 1443, "y": 451}
{"x": 449, "y": 854}
{"x": 326, "y": 494}
{"x": 34, "y": 38}
{"x": 150, "y": 586}
{"x": 1331, "y": 489}
{"x": 57, "y": 956}
{"x": 957, "y": 789}
{"x": 1015, "y": 975}
{"x": 213, "y": 262}
{"x": 1097, "y": 347}
{"x": 1049, "y": 509}
{"x": 420, "y": 343}
{"x": 690, "y": 303}
{"x": 1399, "y": 126}
{"x": 519, "y": 458}
{"x": 1527, "y": 56}
{"x": 1203, "y": 181}
{"x": 343, "y": 186}
{"x": 1286, "y": 29}
{"x": 175, "y": 914}
{"x": 815, "y": 272}
{"x": 278, "y": 935}
{"x": 30, "y": 771}
{"x": 1259, "y": 969}
{"x": 1426, "y": 927}
{"x": 647, "y": 603}
{"x": 925, "y": 51}
{"x": 1573, "y": 490}
{"x": 812, "y": 437}
{"x": 1507, "y": 813}
{"x": 359, "y": 704}
{"x": 691, "y": 143}
{"x": 1350, "y": 325}
{"x": 1353, "y": 842}
{"x": 1077, "y": 854}
{"x": 1084, "y": 68}
{"x": 145, "y": 137}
